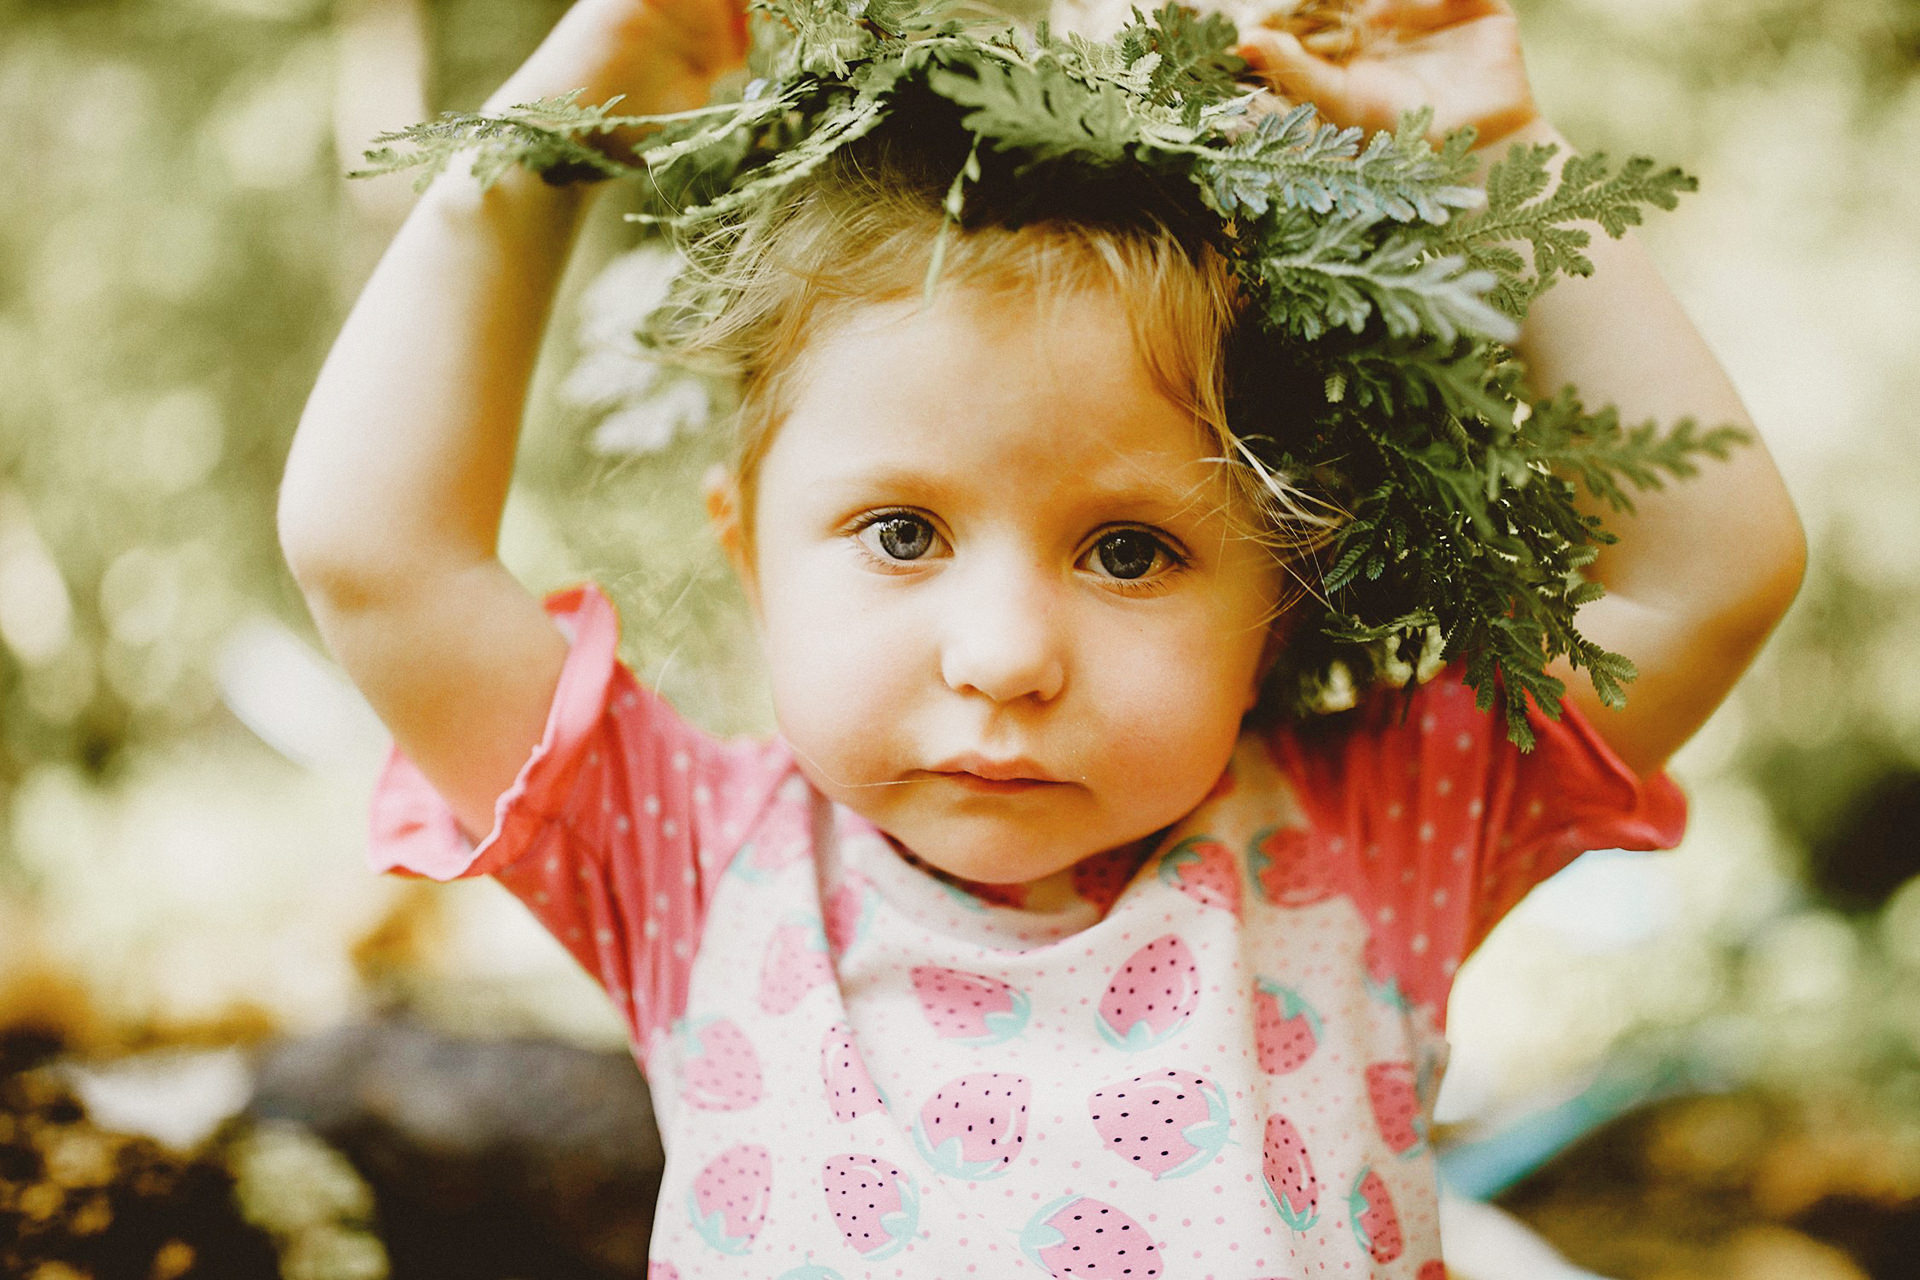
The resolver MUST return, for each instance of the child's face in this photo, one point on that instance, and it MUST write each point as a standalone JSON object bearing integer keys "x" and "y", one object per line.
{"x": 1006, "y": 614}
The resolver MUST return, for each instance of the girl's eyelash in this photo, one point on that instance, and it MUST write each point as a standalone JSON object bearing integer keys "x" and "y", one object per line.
{"x": 1176, "y": 557}
{"x": 859, "y": 525}
{"x": 867, "y": 519}
{"x": 1147, "y": 584}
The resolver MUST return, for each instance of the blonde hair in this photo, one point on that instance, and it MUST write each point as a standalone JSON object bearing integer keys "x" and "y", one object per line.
{"x": 867, "y": 225}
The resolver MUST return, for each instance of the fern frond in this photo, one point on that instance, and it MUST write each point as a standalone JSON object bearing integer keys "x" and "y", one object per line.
{"x": 1525, "y": 203}
{"x": 538, "y": 136}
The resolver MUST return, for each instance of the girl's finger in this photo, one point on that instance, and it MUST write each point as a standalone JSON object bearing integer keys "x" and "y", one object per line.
{"x": 1283, "y": 60}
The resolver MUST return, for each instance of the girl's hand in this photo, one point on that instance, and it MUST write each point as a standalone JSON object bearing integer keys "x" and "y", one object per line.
{"x": 1460, "y": 57}
{"x": 660, "y": 55}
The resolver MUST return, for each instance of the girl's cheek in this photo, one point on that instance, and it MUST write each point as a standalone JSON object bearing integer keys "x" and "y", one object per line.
{"x": 816, "y": 636}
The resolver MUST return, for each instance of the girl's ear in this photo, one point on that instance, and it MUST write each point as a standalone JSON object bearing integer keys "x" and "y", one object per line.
{"x": 722, "y": 493}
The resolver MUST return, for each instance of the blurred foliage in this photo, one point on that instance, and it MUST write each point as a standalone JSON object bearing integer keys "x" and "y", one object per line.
{"x": 160, "y": 304}
{"x": 176, "y": 251}
{"x": 170, "y": 277}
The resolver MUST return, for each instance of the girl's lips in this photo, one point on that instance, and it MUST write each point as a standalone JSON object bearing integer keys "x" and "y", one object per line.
{"x": 994, "y": 777}
{"x": 993, "y": 786}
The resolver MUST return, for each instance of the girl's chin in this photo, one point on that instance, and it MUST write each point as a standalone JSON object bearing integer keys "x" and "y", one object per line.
{"x": 988, "y": 867}
{"x": 1000, "y": 868}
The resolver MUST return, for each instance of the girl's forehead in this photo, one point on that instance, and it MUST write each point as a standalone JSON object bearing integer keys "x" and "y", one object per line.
{"x": 986, "y": 308}
{"x": 974, "y": 348}
{"x": 989, "y": 377}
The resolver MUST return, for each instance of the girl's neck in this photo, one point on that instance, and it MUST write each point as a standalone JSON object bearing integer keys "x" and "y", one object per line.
{"x": 1099, "y": 877}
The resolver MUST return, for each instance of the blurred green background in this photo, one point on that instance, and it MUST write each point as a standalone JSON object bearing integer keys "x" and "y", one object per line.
{"x": 183, "y": 775}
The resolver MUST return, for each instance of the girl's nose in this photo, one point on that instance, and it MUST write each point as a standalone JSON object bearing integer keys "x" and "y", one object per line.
{"x": 1002, "y": 637}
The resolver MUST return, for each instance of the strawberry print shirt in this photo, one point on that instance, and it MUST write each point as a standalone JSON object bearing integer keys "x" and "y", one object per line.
{"x": 1216, "y": 1059}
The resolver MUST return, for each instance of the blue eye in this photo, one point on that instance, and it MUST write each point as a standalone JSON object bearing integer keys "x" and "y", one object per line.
{"x": 899, "y": 536}
{"x": 1129, "y": 554}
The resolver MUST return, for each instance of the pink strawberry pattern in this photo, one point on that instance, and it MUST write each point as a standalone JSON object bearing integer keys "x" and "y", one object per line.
{"x": 1375, "y": 1224}
{"x": 1288, "y": 1171}
{"x": 1102, "y": 878}
{"x": 1151, "y": 996}
{"x": 1203, "y": 868}
{"x": 846, "y": 912}
{"x": 1293, "y": 866}
{"x": 721, "y": 1071}
{"x": 1078, "y": 1236}
{"x": 728, "y": 1199}
{"x": 796, "y": 962}
{"x": 969, "y": 1007}
{"x": 1169, "y": 1123}
{"x": 851, "y": 1092}
{"x": 1286, "y": 1030}
{"x": 875, "y": 1205}
{"x": 1395, "y": 1100}
{"x": 1380, "y": 977}
{"x": 972, "y": 1127}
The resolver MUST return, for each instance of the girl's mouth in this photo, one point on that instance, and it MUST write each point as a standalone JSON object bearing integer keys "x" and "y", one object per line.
{"x": 995, "y": 777}
{"x": 994, "y": 786}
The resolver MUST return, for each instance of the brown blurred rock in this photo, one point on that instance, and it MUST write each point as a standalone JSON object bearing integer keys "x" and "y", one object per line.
{"x": 489, "y": 1159}
{"x": 1777, "y": 1253}
{"x": 1742, "y": 1186}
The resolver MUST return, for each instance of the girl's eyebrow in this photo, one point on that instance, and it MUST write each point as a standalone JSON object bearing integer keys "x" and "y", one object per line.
{"x": 1162, "y": 495}
{"x": 854, "y": 472}
{"x": 1167, "y": 491}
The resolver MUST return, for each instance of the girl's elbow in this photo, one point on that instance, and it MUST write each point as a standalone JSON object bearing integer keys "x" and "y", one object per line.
{"x": 1775, "y": 584}
{"x": 1793, "y": 572}
{"x": 331, "y": 567}
{"x": 1790, "y": 564}
{"x": 307, "y": 543}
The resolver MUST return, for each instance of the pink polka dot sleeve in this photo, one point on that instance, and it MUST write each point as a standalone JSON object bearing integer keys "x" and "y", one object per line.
{"x": 1451, "y": 824}
{"x": 615, "y": 829}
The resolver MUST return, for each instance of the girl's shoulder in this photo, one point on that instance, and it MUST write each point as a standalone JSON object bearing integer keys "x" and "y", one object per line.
{"x": 1425, "y": 776}
{"x": 1385, "y": 724}
{"x": 1416, "y": 806}
{"x": 1435, "y": 734}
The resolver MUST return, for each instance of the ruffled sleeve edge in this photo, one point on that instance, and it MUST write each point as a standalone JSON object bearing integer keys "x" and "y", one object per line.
{"x": 1654, "y": 815}
{"x": 414, "y": 831}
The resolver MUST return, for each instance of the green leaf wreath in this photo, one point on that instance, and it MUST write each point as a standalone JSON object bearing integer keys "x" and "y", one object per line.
{"x": 1386, "y": 283}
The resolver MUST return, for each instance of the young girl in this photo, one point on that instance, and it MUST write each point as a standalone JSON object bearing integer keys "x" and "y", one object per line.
{"x": 1023, "y": 943}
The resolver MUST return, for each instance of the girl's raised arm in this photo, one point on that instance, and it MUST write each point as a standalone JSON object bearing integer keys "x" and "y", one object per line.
{"x": 1703, "y": 569}
{"x": 390, "y": 507}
